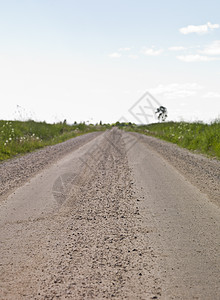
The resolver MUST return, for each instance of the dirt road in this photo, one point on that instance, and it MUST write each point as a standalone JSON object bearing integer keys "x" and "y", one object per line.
{"x": 119, "y": 216}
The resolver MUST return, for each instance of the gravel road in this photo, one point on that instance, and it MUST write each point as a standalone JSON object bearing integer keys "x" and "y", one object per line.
{"x": 17, "y": 171}
{"x": 110, "y": 215}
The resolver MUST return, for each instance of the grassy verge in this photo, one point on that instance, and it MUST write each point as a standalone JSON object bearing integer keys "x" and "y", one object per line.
{"x": 18, "y": 137}
{"x": 200, "y": 137}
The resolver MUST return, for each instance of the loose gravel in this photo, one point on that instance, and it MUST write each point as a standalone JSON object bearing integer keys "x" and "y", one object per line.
{"x": 95, "y": 246}
{"x": 16, "y": 171}
{"x": 202, "y": 172}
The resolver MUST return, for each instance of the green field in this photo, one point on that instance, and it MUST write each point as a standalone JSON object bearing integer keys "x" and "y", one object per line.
{"x": 200, "y": 137}
{"x": 17, "y": 137}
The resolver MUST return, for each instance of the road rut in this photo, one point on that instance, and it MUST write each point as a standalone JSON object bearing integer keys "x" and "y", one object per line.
{"x": 112, "y": 219}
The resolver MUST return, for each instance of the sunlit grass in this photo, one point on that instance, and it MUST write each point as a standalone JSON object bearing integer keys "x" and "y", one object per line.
{"x": 17, "y": 137}
{"x": 200, "y": 137}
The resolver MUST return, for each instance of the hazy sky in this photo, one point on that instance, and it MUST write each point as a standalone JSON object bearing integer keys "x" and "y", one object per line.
{"x": 92, "y": 60}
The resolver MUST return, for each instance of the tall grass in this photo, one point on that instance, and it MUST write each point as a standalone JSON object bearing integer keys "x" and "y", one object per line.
{"x": 17, "y": 137}
{"x": 197, "y": 136}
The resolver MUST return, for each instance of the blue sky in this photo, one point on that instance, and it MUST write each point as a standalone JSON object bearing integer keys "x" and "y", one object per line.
{"x": 92, "y": 60}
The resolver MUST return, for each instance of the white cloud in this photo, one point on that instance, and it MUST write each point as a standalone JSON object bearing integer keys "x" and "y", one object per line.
{"x": 212, "y": 95}
{"x": 177, "y": 48}
{"x": 201, "y": 29}
{"x": 151, "y": 51}
{"x": 196, "y": 58}
{"x": 212, "y": 49}
{"x": 133, "y": 56}
{"x": 115, "y": 55}
{"x": 124, "y": 49}
{"x": 177, "y": 90}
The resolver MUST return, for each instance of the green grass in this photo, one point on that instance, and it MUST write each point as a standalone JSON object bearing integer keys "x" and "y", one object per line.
{"x": 200, "y": 137}
{"x": 17, "y": 137}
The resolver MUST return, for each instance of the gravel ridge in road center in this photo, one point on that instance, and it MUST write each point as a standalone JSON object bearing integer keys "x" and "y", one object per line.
{"x": 95, "y": 247}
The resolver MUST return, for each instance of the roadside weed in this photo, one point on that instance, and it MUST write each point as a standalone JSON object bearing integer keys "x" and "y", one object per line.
{"x": 17, "y": 137}
{"x": 196, "y": 136}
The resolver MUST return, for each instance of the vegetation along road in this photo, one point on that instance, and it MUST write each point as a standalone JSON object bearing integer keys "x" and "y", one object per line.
{"x": 110, "y": 215}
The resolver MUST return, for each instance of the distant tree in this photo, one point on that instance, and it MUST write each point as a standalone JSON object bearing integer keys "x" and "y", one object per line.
{"x": 81, "y": 126}
{"x": 162, "y": 113}
{"x": 100, "y": 123}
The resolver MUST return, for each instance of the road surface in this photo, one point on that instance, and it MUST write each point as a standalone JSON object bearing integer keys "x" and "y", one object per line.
{"x": 118, "y": 216}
